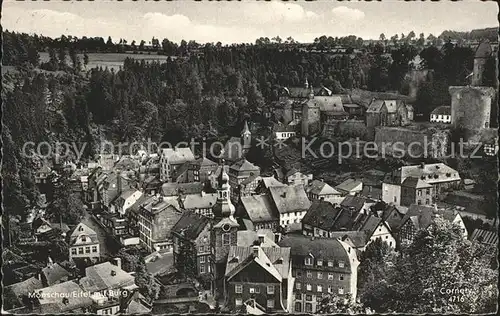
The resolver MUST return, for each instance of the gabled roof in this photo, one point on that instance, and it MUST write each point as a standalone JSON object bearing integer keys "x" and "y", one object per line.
{"x": 375, "y": 106}
{"x": 156, "y": 205}
{"x": 320, "y": 248}
{"x": 105, "y": 276}
{"x": 442, "y": 110}
{"x": 199, "y": 201}
{"x": 431, "y": 173}
{"x": 392, "y": 105}
{"x": 348, "y": 185}
{"x": 53, "y": 297}
{"x": 290, "y": 198}
{"x": 244, "y": 165}
{"x": 275, "y": 260}
{"x": 358, "y": 239}
{"x": 423, "y": 216}
{"x": 82, "y": 229}
{"x": 178, "y": 155}
{"x": 371, "y": 224}
{"x": 190, "y": 225}
{"x": 329, "y": 103}
{"x": 355, "y": 202}
{"x": 483, "y": 50}
{"x": 260, "y": 208}
{"x": 174, "y": 189}
{"x": 204, "y": 162}
{"x": 22, "y": 288}
{"x": 247, "y": 238}
{"x": 321, "y": 188}
{"x": 271, "y": 182}
{"x": 322, "y": 215}
{"x": 54, "y": 273}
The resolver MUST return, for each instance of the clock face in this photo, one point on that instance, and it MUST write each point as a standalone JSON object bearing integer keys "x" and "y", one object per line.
{"x": 226, "y": 227}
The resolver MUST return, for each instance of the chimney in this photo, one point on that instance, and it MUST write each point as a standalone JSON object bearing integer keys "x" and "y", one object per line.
{"x": 113, "y": 273}
{"x": 283, "y": 195}
{"x": 118, "y": 262}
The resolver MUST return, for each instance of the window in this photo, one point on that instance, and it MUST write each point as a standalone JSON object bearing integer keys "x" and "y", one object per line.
{"x": 252, "y": 290}
{"x": 309, "y": 307}
{"x": 309, "y": 287}
{"x": 238, "y": 288}
{"x": 298, "y": 307}
{"x": 94, "y": 248}
{"x": 226, "y": 239}
{"x": 87, "y": 249}
{"x": 84, "y": 239}
{"x": 341, "y": 277}
{"x": 320, "y": 275}
{"x": 202, "y": 259}
{"x": 73, "y": 251}
{"x": 330, "y": 276}
{"x": 202, "y": 269}
{"x": 341, "y": 290}
{"x": 341, "y": 264}
{"x": 270, "y": 289}
{"x": 428, "y": 191}
{"x": 330, "y": 289}
{"x": 299, "y": 273}
{"x": 330, "y": 263}
{"x": 298, "y": 286}
{"x": 427, "y": 202}
{"x": 270, "y": 303}
{"x": 319, "y": 288}
{"x": 309, "y": 274}
{"x": 320, "y": 263}
{"x": 308, "y": 261}
{"x": 80, "y": 251}
{"x": 238, "y": 302}
{"x": 419, "y": 192}
{"x": 298, "y": 296}
{"x": 201, "y": 249}
{"x": 309, "y": 297}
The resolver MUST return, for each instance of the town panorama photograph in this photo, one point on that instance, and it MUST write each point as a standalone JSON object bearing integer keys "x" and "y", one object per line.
{"x": 249, "y": 157}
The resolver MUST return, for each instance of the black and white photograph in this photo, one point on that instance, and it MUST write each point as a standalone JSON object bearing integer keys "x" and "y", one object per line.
{"x": 249, "y": 157}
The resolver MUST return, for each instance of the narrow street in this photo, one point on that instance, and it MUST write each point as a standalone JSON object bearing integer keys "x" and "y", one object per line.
{"x": 108, "y": 245}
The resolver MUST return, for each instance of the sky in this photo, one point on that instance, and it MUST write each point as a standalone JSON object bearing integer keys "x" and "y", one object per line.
{"x": 243, "y": 21}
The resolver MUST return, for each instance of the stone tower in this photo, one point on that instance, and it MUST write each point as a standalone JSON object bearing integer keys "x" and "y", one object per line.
{"x": 483, "y": 52}
{"x": 471, "y": 107}
{"x": 224, "y": 231}
{"x": 310, "y": 116}
{"x": 246, "y": 138}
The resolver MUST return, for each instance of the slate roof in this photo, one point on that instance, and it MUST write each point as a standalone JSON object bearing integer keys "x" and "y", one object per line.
{"x": 100, "y": 277}
{"x": 204, "y": 162}
{"x": 391, "y": 105}
{"x": 356, "y": 202}
{"x": 174, "y": 189}
{"x": 375, "y": 106}
{"x": 55, "y": 302}
{"x": 329, "y": 103}
{"x": 82, "y": 229}
{"x": 199, "y": 201}
{"x": 22, "y": 288}
{"x": 260, "y": 208}
{"x": 486, "y": 237}
{"x": 442, "y": 110}
{"x": 429, "y": 172}
{"x": 483, "y": 50}
{"x": 322, "y": 215}
{"x": 358, "y": 239}
{"x": 416, "y": 183}
{"x": 178, "y": 155}
{"x": 54, "y": 273}
{"x": 244, "y": 165}
{"x": 136, "y": 308}
{"x": 370, "y": 225}
{"x": 348, "y": 185}
{"x": 246, "y": 238}
{"x": 158, "y": 204}
{"x": 190, "y": 225}
{"x": 320, "y": 248}
{"x": 271, "y": 181}
{"x": 289, "y": 198}
{"x": 275, "y": 260}
{"x": 319, "y": 187}
{"x": 423, "y": 216}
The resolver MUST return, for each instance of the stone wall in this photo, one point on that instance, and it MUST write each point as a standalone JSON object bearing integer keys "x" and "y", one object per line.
{"x": 471, "y": 107}
{"x": 345, "y": 129}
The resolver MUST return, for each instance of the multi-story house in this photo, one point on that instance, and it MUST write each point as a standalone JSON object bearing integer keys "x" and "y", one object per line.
{"x": 350, "y": 187}
{"x": 239, "y": 172}
{"x": 388, "y": 113}
{"x": 416, "y": 191}
{"x": 126, "y": 199}
{"x": 171, "y": 159}
{"x": 260, "y": 210}
{"x": 109, "y": 287}
{"x": 295, "y": 177}
{"x": 441, "y": 114}
{"x": 200, "y": 203}
{"x": 200, "y": 169}
{"x": 291, "y": 202}
{"x": 439, "y": 175}
{"x": 261, "y": 276}
{"x": 84, "y": 243}
{"x": 321, "y": 267}
{"x": 320, "y": 190}
{"x": 192, "y": 244}
{"x": 156, "y": 219}
{"x": 422, "y": 217}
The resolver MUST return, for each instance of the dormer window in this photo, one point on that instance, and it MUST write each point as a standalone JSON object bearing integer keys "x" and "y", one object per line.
{"x": 308, "y": 261}
{"x": 320, "y": 263}
{"x": 341, "y": 264}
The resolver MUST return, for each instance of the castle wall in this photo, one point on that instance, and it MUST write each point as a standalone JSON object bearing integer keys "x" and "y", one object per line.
{"x": 471, "y": 107}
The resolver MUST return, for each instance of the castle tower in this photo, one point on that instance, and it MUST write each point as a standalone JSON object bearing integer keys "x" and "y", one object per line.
{"x": 310, "y": 118}
{"x": 246, "y": 137}
{"x": 224, "y": 232}
{"x": 483, "y": 52}
{"x": 471, "y": 107}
